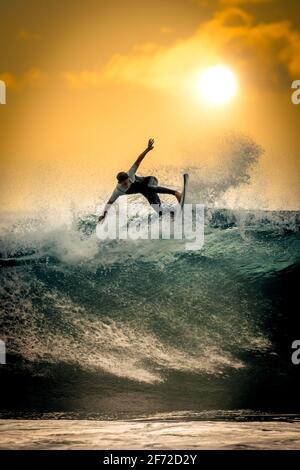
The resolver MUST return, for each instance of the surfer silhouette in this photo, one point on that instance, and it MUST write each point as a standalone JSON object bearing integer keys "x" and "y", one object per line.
{"x": 130, "y": 183}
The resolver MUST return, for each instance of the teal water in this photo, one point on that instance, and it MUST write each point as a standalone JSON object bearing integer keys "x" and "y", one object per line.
{"x": 124, "y": 328}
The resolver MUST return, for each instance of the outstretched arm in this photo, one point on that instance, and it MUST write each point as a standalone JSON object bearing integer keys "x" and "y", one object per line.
{"x": 132, "y": 170}
{"x": 106, "y": 209}
{"x": 144, "y": 153}
{"x": 107, "y": 206}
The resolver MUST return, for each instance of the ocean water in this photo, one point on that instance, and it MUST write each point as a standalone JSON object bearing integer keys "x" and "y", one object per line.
{"x": 128, "y": 328}
{"x": 257, "y": 433}
{"x": 129, "y": 333}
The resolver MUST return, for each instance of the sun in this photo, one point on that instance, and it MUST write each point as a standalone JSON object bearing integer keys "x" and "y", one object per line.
{"x": 217, "y": 85}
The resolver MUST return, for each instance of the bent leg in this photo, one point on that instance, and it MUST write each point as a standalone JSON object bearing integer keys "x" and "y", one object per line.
{"x": 162, "y": 190}
{"x": 154, "y": 200}
{"x": 151, "y": 183}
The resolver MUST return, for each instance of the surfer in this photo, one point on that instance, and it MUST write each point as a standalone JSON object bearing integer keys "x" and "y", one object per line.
{"x": 129, "y": 183}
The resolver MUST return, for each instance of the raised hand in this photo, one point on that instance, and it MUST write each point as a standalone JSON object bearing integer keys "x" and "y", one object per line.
{"x": 150, "y": 144}
{"x": 101, "y": 217}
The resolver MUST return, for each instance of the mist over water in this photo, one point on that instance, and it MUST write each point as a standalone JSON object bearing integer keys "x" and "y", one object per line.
{"x": 234, "y": 162}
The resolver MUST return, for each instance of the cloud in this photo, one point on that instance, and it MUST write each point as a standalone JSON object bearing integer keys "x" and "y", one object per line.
{"x": 265, "y": 54}
{"x": 31, "y": 77}
{"x": 147, "y": 47}
{"x": 268, "y": 51}
{"x": 243, "y": 2}
{"x": 215, "y": 3}
{"x": 28, "y": 35}
{"x": 83, "y": 78}
{"x": 167, "y": 30}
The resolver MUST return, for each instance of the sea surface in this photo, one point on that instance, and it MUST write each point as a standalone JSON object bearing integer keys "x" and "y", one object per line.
{"x": 106, "y": 333}
{"x": 231, "y": 432}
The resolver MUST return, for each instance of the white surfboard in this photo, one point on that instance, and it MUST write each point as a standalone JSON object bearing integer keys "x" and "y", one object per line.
{"x": 184, "y": 190}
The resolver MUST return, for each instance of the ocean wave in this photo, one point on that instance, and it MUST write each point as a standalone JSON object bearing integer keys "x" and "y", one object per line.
{"x": 139, "y": 310}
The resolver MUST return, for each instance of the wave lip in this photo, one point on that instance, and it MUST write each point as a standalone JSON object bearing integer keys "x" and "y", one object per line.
{"x": 144, "y": 312}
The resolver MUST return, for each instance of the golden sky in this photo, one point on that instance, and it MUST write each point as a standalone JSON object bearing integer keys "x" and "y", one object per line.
{"x": 88, "y": 82}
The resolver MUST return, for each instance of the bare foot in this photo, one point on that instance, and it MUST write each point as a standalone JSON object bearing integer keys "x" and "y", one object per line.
{"x": 178, "y": 195}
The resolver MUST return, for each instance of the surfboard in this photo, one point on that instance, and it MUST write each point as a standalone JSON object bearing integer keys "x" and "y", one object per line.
{"x": 184, "y": 190}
